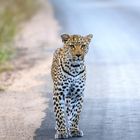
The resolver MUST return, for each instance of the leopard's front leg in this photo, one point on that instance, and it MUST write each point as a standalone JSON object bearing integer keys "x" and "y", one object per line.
{"x": 76, "y": 108}
{"x": 59, "y": 108}
{"x": 75, "y": 116}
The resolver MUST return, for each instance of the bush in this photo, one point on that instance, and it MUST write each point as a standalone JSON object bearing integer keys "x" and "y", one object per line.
{"x": 12, "y": 13}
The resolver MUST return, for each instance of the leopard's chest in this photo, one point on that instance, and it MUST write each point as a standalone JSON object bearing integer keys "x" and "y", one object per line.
{"x": 72, "y": 69}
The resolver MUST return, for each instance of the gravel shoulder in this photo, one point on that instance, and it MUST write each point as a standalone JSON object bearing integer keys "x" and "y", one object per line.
{"x": 22, "y": 105}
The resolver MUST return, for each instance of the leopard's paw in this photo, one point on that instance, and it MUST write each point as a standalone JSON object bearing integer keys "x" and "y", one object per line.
{"x": 76, "y": 133}
{"x": 61, "y": 135}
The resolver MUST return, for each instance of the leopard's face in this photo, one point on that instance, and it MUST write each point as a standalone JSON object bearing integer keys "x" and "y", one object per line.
{"x": 77, "y": 45}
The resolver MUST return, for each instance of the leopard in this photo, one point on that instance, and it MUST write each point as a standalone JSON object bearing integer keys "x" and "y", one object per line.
{"x": 68, "y": 73}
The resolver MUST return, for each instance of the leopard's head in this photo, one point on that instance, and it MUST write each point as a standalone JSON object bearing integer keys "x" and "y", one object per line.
{"x": 77, "y": 45}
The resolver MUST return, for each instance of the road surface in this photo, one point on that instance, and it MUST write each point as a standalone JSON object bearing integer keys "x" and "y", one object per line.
{"x": 112, "y": 98}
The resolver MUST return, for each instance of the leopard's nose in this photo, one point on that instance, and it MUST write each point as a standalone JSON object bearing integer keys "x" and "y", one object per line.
{"x": 78, "y": 55}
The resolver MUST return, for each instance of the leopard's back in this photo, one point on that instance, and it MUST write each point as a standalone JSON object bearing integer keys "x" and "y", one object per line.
{"x": 56, "y": 62}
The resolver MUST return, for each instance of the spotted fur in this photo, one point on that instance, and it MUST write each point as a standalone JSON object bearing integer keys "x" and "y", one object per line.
{"x": 69, "y": 76}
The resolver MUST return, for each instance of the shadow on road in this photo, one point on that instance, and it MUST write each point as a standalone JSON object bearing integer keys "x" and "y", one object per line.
{"x": 46, "y": 130}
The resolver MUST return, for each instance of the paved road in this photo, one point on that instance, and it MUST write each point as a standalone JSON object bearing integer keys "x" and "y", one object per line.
{"x": 112, "y": 98}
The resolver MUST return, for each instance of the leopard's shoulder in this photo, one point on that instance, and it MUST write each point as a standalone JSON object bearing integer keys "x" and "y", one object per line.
{"x": 58, "y": 53}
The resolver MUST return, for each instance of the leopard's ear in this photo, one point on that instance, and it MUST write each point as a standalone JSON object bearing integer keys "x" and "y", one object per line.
{"x": 89, "y": 37}
{"x": 64, "y": 37}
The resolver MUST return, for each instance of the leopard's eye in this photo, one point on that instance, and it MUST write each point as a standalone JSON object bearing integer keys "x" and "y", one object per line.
{"x": 83, "y": 46}
{"x": 72, "y": 46}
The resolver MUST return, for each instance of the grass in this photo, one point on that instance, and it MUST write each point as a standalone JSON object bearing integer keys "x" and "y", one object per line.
{"x": 12, "y": 14}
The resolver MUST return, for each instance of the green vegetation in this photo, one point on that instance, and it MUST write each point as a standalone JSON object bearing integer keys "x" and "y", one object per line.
{"x": 12, "y": 13}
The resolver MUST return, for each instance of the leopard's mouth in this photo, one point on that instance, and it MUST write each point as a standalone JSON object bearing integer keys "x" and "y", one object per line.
{"x": 77, "y": 62}
{"x": 77, "y": 59}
